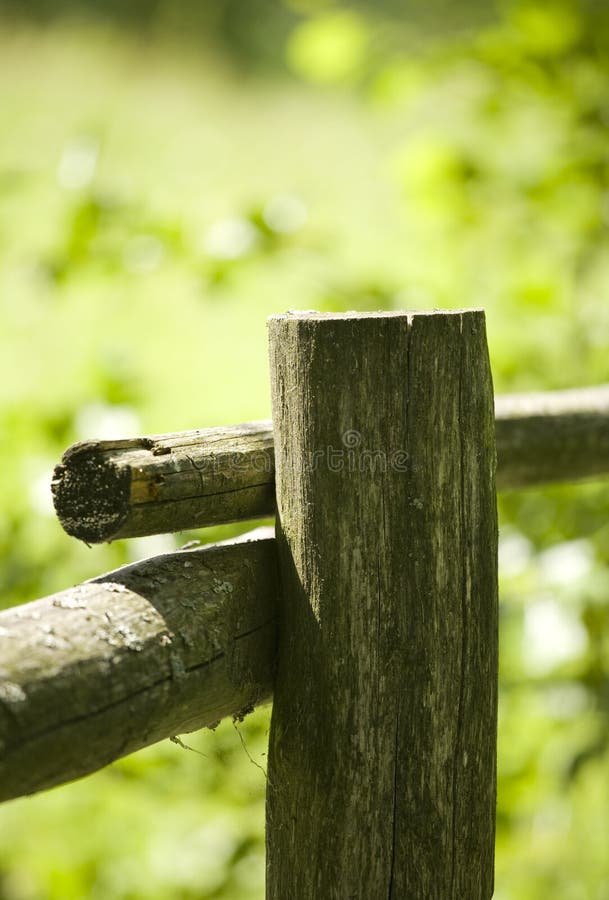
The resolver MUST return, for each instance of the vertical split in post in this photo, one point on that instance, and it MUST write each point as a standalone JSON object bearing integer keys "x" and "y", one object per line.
{"x": 383, "y": 736}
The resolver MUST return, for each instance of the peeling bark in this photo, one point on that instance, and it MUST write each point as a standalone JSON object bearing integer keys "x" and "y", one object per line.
{"x": 106, "y": 490}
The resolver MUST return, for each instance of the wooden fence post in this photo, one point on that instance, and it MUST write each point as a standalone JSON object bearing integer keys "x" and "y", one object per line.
{"x": 381, "y": 779}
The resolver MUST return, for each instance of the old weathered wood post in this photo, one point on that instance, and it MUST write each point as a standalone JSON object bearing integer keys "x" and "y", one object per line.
{"x": 381, "y": 780}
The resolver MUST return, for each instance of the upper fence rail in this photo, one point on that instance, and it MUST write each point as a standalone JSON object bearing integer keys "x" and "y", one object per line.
{"x": 105, "y": 490}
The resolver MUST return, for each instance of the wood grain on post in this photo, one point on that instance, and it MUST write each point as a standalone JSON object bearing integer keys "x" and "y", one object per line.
{"x": 105, "y": 490}
{"x": 381, "y": 779}
{"x": 154, "y": 649}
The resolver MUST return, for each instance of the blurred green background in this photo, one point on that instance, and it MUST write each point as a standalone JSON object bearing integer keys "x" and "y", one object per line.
{"x": 170, "y": 174}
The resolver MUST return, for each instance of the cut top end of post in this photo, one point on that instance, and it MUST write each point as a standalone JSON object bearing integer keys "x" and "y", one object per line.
{"x": 316, "y": 315}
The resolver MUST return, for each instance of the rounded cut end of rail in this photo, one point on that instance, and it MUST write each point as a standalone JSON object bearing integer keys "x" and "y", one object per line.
{"x": 91, "y": 496}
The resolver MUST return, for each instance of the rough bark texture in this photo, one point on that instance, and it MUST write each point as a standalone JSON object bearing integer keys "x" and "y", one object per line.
{"x": 108, "y": 490}
{"x": 383, "y": 737}
{"x": 151, "y": 650}
{"x": 553, "y": 436}
{"x": 104, "y": 490}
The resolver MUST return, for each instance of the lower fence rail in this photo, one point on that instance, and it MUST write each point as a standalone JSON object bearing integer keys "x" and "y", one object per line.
{"x": 157, "y": 648}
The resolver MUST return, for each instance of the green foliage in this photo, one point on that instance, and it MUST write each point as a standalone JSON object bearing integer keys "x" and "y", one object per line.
{"x": 154, "y": 208}
{"x": 330, "y": 48}
{"x": 162, "y": 823}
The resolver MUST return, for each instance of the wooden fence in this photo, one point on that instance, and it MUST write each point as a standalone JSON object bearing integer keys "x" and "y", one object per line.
{"x": 370, "y": 618}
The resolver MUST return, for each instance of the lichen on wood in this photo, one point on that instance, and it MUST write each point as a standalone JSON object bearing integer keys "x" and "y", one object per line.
{"x": 157, "y": 648}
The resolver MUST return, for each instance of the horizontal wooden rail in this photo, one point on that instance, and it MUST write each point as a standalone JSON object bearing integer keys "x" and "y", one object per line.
{"x": 161, "y": 647}
{"x": 105, "y": 490}
{"x": 551, "y": 436}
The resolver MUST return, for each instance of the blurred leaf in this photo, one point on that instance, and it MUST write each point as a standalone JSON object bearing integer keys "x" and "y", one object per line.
{"x": 330, "y": 48}
{"x": 548, "y": 29}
